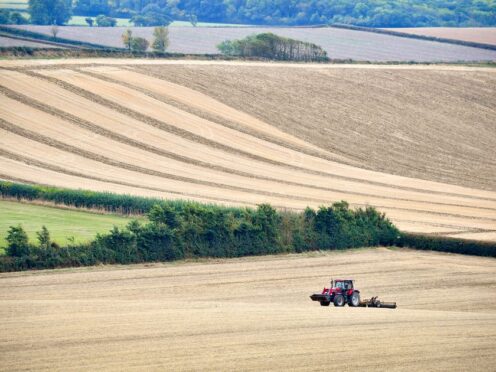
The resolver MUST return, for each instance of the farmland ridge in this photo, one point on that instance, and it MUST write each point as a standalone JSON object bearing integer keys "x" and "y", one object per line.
{"x": 249, "y": 133}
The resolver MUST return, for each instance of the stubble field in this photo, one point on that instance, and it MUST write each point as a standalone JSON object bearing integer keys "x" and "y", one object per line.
{"x": 290, "y": 135}
{"x": 253, "y": 314}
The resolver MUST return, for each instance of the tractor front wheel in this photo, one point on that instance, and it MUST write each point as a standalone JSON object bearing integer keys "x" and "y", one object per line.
{"x": 354, "y": 299}
{"x": 324, "y": 303}
{"x": 339, "y": 300}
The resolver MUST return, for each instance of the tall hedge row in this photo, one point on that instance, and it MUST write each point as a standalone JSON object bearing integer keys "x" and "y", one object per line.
{"x": 187, "y": 230}
{"x": 447, "y": 244}
{"x": 117, "y": 203}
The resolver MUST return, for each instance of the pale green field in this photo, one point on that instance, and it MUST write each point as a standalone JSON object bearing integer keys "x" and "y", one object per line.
{"x": 13, "y": 4}
{"x": 80, "y": 21}
{"x": 63, "y": 224}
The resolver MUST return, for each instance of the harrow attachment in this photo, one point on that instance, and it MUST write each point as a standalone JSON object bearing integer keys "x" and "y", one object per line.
{"x": 374, "y": 302}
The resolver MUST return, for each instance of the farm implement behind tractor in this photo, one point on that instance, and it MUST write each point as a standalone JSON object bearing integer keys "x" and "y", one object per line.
{"x": 342, "y": 292}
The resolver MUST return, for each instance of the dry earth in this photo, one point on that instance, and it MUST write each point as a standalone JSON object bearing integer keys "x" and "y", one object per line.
{"x": 339, "y": 43}
{"x": 244, "y": 134}
{"x": 484, "y": 35}
{"x": 253, "y": 314}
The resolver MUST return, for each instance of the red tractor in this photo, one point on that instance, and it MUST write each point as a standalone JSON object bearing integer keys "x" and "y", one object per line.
{"x": 341, "y": 292}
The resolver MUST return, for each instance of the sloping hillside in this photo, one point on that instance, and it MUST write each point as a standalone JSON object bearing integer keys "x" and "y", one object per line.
{"x": 290, "y": 135}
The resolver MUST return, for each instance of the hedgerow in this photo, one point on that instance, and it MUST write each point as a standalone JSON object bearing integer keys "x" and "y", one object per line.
{"x": 447, "y": 244}
{"x": 178, "y": 230}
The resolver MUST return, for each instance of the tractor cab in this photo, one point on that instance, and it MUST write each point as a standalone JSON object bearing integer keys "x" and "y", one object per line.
{"x": 344, "y": 285}
{"x": 341, "y": 291}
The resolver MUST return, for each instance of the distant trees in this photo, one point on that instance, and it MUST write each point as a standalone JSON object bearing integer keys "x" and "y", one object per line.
{"x": 139, "y": 44}
{"x": 161, "y": 41}
{"x": 11, "y": 18}
{"x": 371, "y": 13}
{"x": 127, "y": 37}
{"x": 54, "y": 30}
{"x": 152, "y": 15}
{"x": 104, "y": 21}
{"x": 271, "y": 46}
{"x": 50, "y": 12}
{"x": 134, "y": 44}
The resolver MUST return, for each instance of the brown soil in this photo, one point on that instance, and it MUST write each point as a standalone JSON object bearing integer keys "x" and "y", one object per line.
{"x": 253, "y": 314}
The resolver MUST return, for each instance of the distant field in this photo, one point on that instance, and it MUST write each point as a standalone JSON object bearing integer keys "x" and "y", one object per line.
{"x": 339, "y": 43}
{"x": 62, "y": 223}
{"x": 14, "y": 4}
{"x": 10, "y": 42}
{"x": 81, "y": 21}
{"x": 484, "y": 35}
{"x": 254, "y": 314}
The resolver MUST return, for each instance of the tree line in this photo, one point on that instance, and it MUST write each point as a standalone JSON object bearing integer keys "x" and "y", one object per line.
{"x": 271, "y": 46}
{"x": 178, "y": 230}
{"x": 370, "y": 13}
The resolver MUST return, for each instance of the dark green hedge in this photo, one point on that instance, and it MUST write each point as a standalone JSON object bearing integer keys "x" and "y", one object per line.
{"x": 185, "y": 230}
{"x": 446, "y": 244}
{"x": 117, "y": 203}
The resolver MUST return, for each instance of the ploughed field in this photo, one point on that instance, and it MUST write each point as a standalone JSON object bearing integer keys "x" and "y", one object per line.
{"x": 339, "y": 43}
{"x": 484, "y": 35}
{"x": 415, "y": 142}
{"x": 253, "y": 314}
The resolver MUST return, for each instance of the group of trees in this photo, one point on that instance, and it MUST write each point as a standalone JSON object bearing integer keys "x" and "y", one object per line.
{"x": 373, "y": 13}
{"x": 185, "y": 229}
{"x": 140, "y": 44}
{"x": 271, "y": 46}
{"x": 370, "y": 13}
{"x": 8, "y": 17}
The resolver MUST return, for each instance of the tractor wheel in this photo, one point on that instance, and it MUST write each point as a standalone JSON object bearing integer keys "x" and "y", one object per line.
{"x": 339, "y": 300}
{"x": 324, "y": 303}
{"x": 354, "y": 299}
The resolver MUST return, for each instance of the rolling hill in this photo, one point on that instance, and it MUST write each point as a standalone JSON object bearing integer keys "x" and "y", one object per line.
{"x": 415, "y": 142}
{"x": 339, "y": 43}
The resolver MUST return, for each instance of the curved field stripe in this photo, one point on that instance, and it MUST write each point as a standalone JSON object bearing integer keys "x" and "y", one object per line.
{"x": 92, "y": 146}
{"x": 67, "y": 162}
{"x": 199, "y": 103}
{"x": 14, "y": 80}
{"x": 91, "y": 167}
{"x": 138, "y": 102}
{"x": 21, "y": 170}
{"x": 126, "y": 131}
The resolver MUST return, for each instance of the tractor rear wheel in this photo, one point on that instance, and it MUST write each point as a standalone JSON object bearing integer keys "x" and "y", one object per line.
{"x": 339, "y": 300}
{"x": 354, "y": 299}
{"x": 324, "y": 303}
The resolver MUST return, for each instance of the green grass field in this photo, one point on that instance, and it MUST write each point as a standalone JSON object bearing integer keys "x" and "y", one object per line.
{"x": 81, "y": 21}
{"x": 62, "y": 223}
{"x": 13, "y": 4}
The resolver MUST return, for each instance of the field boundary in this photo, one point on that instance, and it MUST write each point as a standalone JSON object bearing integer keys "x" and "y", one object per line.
{"x": 414, "y": 36}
